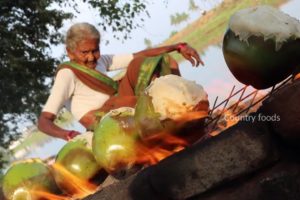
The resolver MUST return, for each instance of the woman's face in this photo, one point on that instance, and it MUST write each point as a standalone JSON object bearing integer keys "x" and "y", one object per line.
{"x": 86, "y": 53}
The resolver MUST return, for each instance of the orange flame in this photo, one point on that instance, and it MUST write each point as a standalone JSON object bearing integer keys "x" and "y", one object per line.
{"x": 72, "y": 184}
{"x": 48, "y": 196}
{"x": 297, "y": 76}
{"x": 228, "y": 118}
{"x": 149, "y": 151}
{"x": 157, "y": 147}
{"x": 191, "y": 116}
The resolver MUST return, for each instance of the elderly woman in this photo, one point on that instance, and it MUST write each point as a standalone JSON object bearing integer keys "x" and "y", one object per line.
{"x": 82, "y": 86}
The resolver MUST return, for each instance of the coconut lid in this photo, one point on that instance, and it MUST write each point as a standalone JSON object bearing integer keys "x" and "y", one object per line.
{"x": 265, "y": 21}
{"x": 173, "y": 95}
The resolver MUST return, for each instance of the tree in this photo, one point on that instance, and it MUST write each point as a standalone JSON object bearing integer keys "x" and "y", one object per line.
{"x": 148, "y": 43}
{"x": 28, "y": 29}
{"x": 193, "y": 6}
{"x": 173, "y": 33}
{"x": 179, "y": 18}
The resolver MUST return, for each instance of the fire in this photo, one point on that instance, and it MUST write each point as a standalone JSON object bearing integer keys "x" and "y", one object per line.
{"x": 227, "y": 119}
{"x": 297, "y": 76}
{"x": 157, "y": 147}
{"x": 77, "y": 187}
{"x": 231, "y": 118}
{"x": 154, "y": 148}
{"x": 148, "y": 151}
{"x": 233, "y": 114}
{"x": 48, "y": 196}
{"x": 191, "y": 116}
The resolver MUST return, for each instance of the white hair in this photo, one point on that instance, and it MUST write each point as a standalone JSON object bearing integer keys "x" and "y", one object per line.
{"x": 80, "y": 31}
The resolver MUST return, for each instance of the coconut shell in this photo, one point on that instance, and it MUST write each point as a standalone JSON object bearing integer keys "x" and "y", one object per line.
{"x": 26, "y": 176}
{"x": 79, "y": 160}
{"x": 257, "y": 62}
{"x": 114, "y": 141}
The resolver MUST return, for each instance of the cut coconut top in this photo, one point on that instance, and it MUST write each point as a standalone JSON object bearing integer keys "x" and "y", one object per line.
{"x": 265, "y": 21}
{"x": 173, "y": 95}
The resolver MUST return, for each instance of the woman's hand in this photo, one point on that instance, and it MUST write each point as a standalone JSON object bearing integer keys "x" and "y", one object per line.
{"x": 189, "y": 53}
{"x": 183, "y": 48}
{"x": 70, "y": 135}
{"x": 46, "y": 124}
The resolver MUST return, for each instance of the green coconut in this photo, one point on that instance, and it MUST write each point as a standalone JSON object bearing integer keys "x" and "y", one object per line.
{"x": 147, "y": 120}
{"x": 262, "y": 46}
{"x": 78, "y": 159}
{"x": 26, "y": 176}
{"x": 114, "y": 141}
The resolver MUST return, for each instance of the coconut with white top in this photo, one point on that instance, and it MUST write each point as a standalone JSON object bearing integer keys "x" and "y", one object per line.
{"x": 173, "y": 96}
{"x": 262, "y": 46}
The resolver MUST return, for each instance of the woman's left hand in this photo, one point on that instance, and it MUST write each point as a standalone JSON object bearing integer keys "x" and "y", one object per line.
{"x": 190, "y": 54}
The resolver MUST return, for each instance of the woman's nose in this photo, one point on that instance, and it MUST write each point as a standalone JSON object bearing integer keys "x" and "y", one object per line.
{"x": 90, "y": 56}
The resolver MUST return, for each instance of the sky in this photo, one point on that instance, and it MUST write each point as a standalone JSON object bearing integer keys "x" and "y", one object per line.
{"x": 157, "y": 27}
{"x": 214, "y": 76}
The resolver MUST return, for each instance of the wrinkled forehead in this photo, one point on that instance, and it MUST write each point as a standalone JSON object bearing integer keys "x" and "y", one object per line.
{"x": 87, "y": 44}
{"x": 78, "y": 36}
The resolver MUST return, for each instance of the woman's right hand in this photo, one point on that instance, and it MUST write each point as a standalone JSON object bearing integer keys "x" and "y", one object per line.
{"x": 46, "y": 124}
{"x": 70, "y": 135}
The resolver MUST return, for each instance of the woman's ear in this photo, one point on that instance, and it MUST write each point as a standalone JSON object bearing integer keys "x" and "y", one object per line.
{"x": 70, "y": 53}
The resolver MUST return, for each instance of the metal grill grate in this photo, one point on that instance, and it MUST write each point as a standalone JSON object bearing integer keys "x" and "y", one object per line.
{"x": 214, "y": 117}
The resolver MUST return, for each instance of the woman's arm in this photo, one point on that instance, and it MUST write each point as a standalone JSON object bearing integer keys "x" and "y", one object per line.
{"x": 184, "y": 49}
{"x": 61, "y": 91}
{"x": 116, "y": 62}
{"x": 46, "y": 125}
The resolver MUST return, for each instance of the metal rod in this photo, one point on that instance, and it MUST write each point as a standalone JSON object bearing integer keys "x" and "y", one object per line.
{"x": 252, "y": 100}
{"x": 226, "y": 102}
{"x": 232, "y": 95}
{"x": 240, "y": 99}
{"x": 211, "y": 111}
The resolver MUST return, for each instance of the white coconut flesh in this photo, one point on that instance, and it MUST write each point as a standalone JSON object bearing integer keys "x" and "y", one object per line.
{"x": 265, "y": 21}
{"x": 173, "y": 96}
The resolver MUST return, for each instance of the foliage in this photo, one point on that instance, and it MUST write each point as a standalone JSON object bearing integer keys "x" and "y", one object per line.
{"x": 173, "y": 33}
{"x": 193, "y": 6}
{"x": 4, "y": 161}
{"x": 28, "y": 30}
{"x": 148, "y": 43}
{"x": 179, "y": 18}
{"x": 118, "y": 15}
